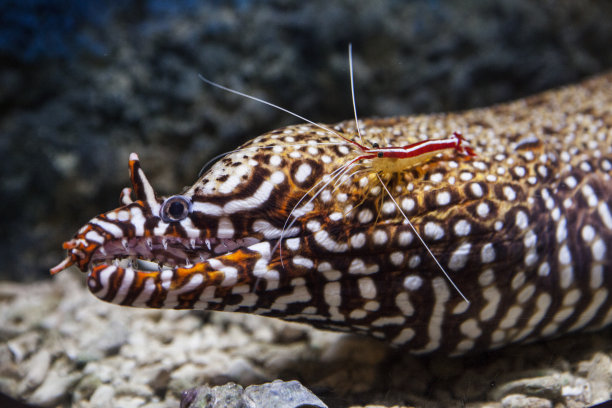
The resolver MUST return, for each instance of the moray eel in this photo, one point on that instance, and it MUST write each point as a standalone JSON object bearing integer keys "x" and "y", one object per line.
{"x": 524, "y": 229}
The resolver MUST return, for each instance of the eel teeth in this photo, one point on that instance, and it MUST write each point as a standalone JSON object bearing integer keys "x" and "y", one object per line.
{"x": 148, "y": 265}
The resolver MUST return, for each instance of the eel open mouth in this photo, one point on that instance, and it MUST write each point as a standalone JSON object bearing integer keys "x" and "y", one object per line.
{"x": 152, "y": 252}
{"x": 140, "y": 234}
{"x": 157, "y": 253}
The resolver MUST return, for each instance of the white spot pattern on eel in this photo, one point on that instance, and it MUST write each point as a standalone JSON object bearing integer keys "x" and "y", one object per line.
{"x": 524, "y": 230}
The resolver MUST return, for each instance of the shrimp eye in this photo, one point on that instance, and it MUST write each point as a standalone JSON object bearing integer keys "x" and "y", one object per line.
{"x": 375, "y": 145}
{"x": 175, "y": 208}
{"x": 380, "y": 155}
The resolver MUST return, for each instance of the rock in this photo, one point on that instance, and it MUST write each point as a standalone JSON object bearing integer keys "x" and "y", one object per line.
{"x": 277, "y": 394}
{"x": 281, "y": 394}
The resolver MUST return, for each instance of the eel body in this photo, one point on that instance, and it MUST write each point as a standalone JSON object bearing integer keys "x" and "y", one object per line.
{"x": 524, "y": 229}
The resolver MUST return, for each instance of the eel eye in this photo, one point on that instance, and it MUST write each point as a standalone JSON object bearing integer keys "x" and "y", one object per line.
{"x": 175, "y": 208}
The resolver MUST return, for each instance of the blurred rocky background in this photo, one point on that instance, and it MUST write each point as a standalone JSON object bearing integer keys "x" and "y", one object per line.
{"x": 82, "y": 84}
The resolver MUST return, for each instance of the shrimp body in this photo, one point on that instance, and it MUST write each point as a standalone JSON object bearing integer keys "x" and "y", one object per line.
{"x": 397, "y": 159}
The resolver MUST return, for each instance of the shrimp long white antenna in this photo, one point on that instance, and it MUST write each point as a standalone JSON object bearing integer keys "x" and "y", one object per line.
{"x": 338, "y": 173}
{"x": 422, "y": 241}
{"x": 335, "y": 175}
{"x": 254, "y": 98}
{"x": 350, "y": 56}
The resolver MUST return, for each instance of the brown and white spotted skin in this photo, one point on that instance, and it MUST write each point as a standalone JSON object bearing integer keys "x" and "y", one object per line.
{"x": 524, "y": 229}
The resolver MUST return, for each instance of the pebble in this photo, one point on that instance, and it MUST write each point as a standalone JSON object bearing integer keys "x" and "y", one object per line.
{"x": 156, "y": 376}
{"x": 242, "y": 371}
{"x": 579, "y": 390}
{"x": 224, "y": 396}
{"x": 55, "y": 389}
{"x": 549, "y": 387}
{"x": 101, "y": 344}
{"x": 282, "y": 358}
{"x": 24, "y": 345}
{"x": 598, "y": 372}
{"x": 351, "y": 348}
{"x": 185, "y": 377}
{"x": 129, "y": 402}
{"x": 102, "y": 397}
{"x": 522, "y": 401}
{"x": 36, "y": 371}
{"x": 86, "y": 387}
{"x": 132, "y": 389}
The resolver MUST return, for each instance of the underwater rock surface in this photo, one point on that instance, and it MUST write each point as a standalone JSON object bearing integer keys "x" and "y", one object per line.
{"x": 61, "y": 347}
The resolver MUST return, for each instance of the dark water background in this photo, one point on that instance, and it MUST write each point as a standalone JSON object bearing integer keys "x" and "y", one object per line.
{"x": 82, "y": 84}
